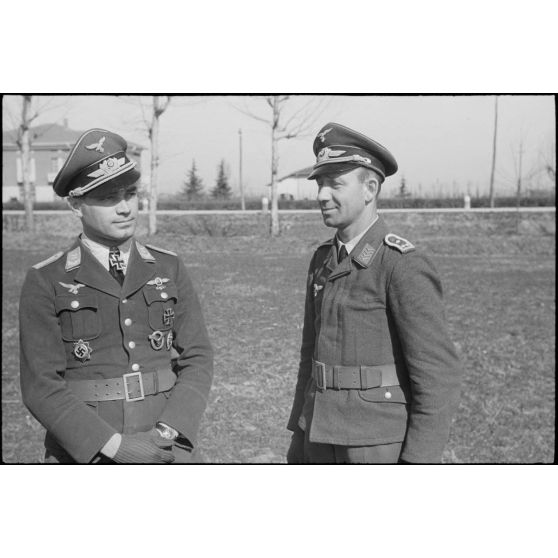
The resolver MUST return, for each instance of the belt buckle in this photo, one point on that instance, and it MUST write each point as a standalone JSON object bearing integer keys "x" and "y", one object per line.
{"x": 125, "y": 377}
{"x": 321, "y": 375}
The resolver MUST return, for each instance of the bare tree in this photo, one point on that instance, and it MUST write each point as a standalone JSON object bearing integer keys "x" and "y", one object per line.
{"x": 22, "y": 118}
{"x": 284, "y": 125}
{"x": 150, "y": 117}
{"x": 150, "y": 123}
{"x": 160, "y": 104}
{"x": 24, "y": 144}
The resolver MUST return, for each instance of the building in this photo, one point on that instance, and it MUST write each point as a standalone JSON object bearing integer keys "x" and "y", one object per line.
{"x": 50, "y": 145}
{"x": 295, "y": 186}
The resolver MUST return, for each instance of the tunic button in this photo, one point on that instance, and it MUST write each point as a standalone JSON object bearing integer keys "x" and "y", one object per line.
{"x": 74, "y": 304}
{"x": 124, "y": 300}
{"x": 135, "y": 367}
{"x": 164, "y": 295}
{"x": 387, "y": 394}
{"x": 128, "y": 322}
{"x": 131, "y": 344}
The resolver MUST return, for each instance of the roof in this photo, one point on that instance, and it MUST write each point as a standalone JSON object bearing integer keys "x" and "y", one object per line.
{"x": 53, "y": 136}
{"x": 302, "y": 173}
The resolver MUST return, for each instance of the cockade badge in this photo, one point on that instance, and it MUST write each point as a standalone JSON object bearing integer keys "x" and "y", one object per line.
{"x": 107, "y": 167}
{"x": 327, "y": 153}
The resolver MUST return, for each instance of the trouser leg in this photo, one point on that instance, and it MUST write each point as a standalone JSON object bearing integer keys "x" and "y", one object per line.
{"x": 379, "y": 454}
{"x": 317, "y": 453}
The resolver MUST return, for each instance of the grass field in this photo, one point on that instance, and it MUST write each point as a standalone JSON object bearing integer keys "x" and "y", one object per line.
{"x": 500, "y": 301}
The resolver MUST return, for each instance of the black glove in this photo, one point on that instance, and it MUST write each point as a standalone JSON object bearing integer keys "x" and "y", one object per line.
{"x": 144, "y": 447}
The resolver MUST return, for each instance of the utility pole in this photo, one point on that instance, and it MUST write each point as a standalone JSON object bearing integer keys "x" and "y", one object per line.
{"x": 241, "y": 186}
{"x": 491, "y": 195}
{"x": 518, "y": 193}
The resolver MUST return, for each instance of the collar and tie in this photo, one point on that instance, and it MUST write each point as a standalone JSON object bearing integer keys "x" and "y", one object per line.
{"x": 342, "y": 254}
{"x": 116, "y": 264}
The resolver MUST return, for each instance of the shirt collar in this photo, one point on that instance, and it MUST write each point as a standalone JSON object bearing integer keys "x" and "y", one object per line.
{"x": 349, "y": 246}
{"x": 101, "y": 252}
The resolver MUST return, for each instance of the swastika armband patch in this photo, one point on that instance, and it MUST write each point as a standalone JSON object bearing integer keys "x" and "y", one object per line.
{"x": 53, "y": 258}
{"x": 399, "y": 243}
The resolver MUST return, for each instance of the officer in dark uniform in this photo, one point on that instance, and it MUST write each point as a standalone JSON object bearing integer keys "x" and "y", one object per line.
{"x": 98, "y": 323}
{"x": 379, "y": 377}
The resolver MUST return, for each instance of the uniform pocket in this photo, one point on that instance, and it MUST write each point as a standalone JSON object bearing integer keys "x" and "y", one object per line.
{"x": 79, "y": 316}
{"x": 387, "y": 394}
{"x": 160, "y": 307}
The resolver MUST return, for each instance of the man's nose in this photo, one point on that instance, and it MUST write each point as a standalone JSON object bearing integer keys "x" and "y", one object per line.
{"x": 123, "y": 206}
{"x": 324, "y": 194}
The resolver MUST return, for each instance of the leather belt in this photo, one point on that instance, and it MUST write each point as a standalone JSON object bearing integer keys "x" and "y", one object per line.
{"x": 131, "y": 387}
{"x": 353, "y": 377}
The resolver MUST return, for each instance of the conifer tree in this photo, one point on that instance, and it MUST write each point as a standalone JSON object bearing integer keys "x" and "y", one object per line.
{"x": 222, "y": 190}
{"x": 193, "y": 186}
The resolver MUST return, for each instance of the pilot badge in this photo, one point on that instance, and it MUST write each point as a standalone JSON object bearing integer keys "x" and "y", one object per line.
{"x": 157, "y": 340}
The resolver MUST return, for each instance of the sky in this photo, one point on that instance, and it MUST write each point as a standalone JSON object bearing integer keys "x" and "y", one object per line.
{"x": 443, "y": 144}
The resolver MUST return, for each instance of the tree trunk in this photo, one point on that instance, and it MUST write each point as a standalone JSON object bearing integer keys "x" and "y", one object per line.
{"x": 154, "y": 137}
{"x": 274, "y": 224}
{"x": 491, "y": 194}
{"x": 26, "y": 164}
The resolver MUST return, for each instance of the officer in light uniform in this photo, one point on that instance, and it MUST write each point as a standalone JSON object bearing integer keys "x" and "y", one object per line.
{"x": 98, "y": 323}
{"x": 379, "y": 377}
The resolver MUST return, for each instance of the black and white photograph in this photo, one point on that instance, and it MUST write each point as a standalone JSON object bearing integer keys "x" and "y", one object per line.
{"x": 253, "y": 279}
{"x": 302, "y": 252}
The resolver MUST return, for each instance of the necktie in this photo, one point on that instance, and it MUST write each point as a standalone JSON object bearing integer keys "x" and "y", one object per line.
{"x": 342, "y": 254}
{"x": 116, "y": 264}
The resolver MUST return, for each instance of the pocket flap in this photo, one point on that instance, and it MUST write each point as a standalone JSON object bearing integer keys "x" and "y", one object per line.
{"x": 75, "y": 302}
{"x": 152, "y": 294}
{"x": 378, "y": 395}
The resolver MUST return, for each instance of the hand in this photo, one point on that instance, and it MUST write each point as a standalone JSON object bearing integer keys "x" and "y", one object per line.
{"x": 144, "y": 447}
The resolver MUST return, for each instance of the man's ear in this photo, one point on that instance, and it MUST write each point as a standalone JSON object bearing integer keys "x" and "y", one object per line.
{"x": 75, "y": 205}
{"x": 372, "y": 186}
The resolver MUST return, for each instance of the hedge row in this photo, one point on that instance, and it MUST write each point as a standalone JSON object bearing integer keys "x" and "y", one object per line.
{"x": 385, "y": 203}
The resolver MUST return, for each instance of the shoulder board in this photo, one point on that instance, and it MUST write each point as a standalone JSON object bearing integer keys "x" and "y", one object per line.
{"x": 56, "y": 256}
{"x": 161, "y": 250}
{"x": 399, "y": 243}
